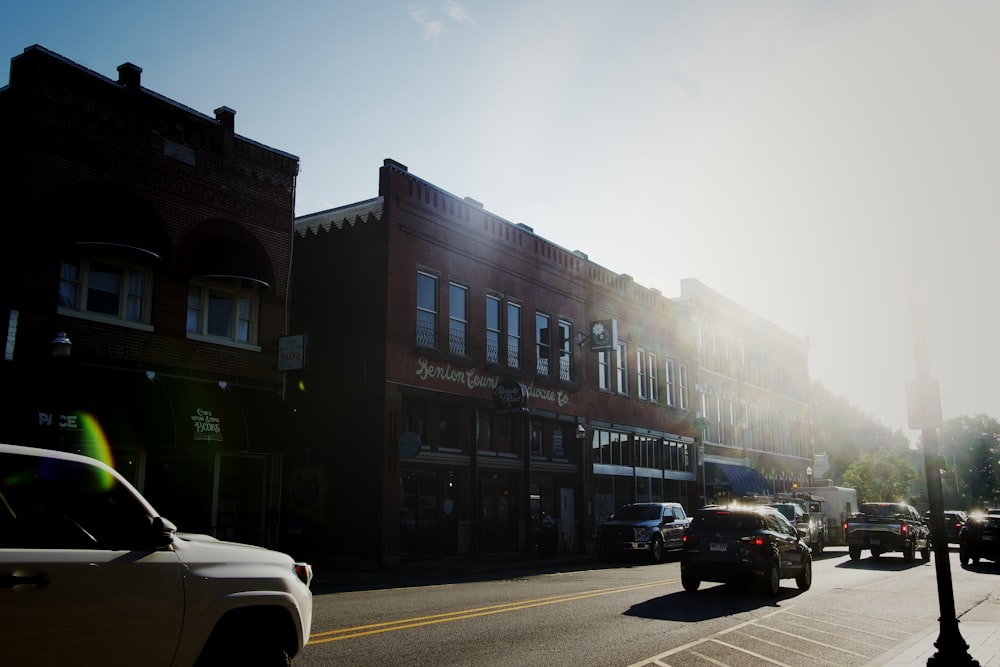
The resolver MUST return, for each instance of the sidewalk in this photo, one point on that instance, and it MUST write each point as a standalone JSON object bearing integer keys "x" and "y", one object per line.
{"x": 979, "y": 627}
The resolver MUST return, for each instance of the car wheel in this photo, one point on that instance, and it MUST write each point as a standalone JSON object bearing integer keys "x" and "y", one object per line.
{"x": 805, "y": 578}
{"x": 876, "y": 553}
{"x": 855, "y": 552}
{"x": 772, "y": 580}
{"x": 975, "y": 560}
{"x": 963, "y": 556}
{"x": 690, "y": 584}
{"x": 657, "y": 551}
{"x": 909, "y": 553}
{"x": 819, "y": 546}
{"x": 925, "y": 553}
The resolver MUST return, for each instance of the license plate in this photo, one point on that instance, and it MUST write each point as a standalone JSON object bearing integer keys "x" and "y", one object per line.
{"x": 875, "y": 542}
{"x": 718, "y": 546}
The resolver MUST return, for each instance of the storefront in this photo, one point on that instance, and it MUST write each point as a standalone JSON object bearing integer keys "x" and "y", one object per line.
{"x": 205, "y": 454}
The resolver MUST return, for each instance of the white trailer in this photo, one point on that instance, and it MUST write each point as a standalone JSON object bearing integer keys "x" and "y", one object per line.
{"x": 839, "y": 502}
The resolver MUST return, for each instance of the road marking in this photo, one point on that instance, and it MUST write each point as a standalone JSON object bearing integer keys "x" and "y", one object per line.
{"x": 447, "y": 617}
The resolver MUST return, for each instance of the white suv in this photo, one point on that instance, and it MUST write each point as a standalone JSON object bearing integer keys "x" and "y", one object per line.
{"x": 90, "y": 574}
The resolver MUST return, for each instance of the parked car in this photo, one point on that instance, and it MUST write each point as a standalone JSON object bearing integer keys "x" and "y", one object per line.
{"x": 744, "y": 545}
{"x": 979, "y": 538}
{"x": 953, "y": 522}
{"x": 91, "y": 574}
{"x": 648, "y": 528}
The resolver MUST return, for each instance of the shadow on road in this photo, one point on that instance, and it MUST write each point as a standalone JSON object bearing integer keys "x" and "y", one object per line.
{"x": 709, "y": 602}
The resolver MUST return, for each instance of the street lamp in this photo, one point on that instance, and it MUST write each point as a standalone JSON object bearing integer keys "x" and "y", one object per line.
{"x": 61, "y": 345}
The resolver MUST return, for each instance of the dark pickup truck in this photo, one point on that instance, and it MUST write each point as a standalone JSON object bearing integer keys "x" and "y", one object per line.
{"x": 885, "y": 527}
{"x": 651, "y": 528}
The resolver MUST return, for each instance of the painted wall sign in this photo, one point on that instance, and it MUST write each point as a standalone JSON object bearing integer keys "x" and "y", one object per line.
{"x": 472, "y": 379}
{"x": 206, "y": 426}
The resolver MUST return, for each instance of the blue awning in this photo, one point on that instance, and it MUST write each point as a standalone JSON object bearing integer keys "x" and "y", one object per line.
{"x": 743, "y": 481}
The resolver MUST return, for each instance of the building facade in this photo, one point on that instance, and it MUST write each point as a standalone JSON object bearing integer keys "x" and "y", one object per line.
{"x": 464, "y": 377}
{"x": 752, "y": 387}
{"x": 143, "y": 286}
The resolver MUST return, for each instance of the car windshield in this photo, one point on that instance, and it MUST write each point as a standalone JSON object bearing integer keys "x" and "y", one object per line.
{"x": 638, "y": 513}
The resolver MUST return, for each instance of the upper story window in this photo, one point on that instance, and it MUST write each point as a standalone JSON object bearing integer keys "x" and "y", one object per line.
{"x": 513, "y": 335}
{"x": 105, "y": 289}
{"x": 458, "y": 319}
{"x": 543, "y": 343}
{"x": 654, "y": 380}
{"x": 565, "y": 350}
{"x": 492, "y": 329}
{"x": 640, "y": 369}
{"x": 682, "y": 386}
{"x": 223, "y": 313}
{"x": 670, "y": 382}
{"x": 427, "y": 310}
{"x": 604, "y": 370}
{"x": 621, "y": 363}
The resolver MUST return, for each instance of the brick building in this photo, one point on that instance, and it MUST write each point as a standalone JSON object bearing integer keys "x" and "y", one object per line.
{"x": 463, "y": 375}
{"x": 752, "y": 389}
{"x": 152, "y": 243}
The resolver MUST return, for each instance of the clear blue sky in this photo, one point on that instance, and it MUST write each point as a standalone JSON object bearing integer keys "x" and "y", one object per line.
{"x": 801, "y": 157}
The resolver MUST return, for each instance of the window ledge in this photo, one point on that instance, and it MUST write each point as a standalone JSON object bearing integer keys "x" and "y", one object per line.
{"x": 222, "y": 341}
{"x": 103, "y": 319}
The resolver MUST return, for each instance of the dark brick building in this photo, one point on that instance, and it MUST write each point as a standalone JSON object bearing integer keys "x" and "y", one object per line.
{"x": 463, "y": 375}
{"x": 157, "y": 241}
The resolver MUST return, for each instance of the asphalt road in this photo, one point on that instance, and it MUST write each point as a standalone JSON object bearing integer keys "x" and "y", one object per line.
{"x": 625, "y": 614}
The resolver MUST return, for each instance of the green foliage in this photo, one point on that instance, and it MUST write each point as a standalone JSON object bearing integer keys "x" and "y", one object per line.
{"x": 845, "y": 433}
{"x": 969, "y": 449}
{"x": 881, "y": 475}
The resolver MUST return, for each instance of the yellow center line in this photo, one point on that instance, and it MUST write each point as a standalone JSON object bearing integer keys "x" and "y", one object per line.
{"x": 418, "y": 621}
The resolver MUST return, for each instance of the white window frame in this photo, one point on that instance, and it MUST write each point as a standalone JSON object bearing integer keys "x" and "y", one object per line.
{"x": 670, "y": 382}
{"x": 604, "y": 370}
{"x": 565, "y": 360}
{"x": 81, "y": 287}
{"x": 621, "y": 368}
{"x": 654, "y": 380}
{"x": 238, "y": 293}
{"x": 682, "y": 386}
{"x": 640, "y": 369}
{"x": 543, "y": 349}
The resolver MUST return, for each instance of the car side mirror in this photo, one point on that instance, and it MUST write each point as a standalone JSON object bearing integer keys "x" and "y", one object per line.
{"x": 668, "y": 519}
{"x": 162, "y": 532}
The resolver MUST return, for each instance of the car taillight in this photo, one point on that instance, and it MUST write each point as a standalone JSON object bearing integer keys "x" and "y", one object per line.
{"x": 758, "y": 541}
{"x": 689, "y": 539}
{"x": 903, "y": 529}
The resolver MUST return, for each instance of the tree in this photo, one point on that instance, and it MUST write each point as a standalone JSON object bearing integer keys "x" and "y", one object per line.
{"x": 881, "y": 475}
{"x": 969, "y": 449}
{"x": 845, "y": 433}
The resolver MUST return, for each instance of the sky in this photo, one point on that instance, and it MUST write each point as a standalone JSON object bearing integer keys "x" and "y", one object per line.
{"x": 823, "y": 164}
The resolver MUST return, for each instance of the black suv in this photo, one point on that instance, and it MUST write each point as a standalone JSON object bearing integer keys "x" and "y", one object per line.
{"x": 744, "y": 545}
{"x": 979, "y": 538}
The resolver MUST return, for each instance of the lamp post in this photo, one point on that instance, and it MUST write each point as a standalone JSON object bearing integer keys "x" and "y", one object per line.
{"x": 923, "y": 404}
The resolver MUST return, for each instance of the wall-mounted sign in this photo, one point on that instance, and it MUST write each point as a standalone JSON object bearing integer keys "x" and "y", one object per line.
{"x": 409, "y": 445}
{"x": 510, "y": 395}
{"x": 603, "y": 335}
{"x": 291, "y": 353}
